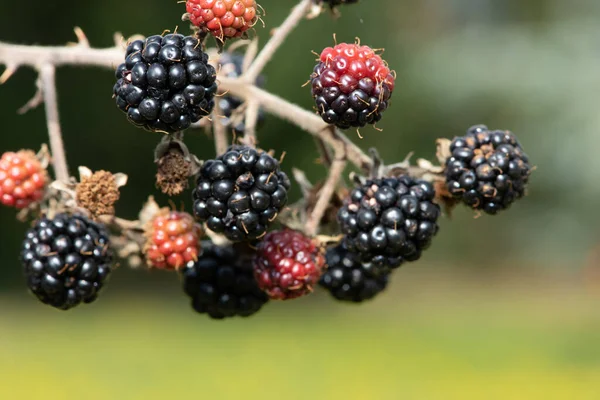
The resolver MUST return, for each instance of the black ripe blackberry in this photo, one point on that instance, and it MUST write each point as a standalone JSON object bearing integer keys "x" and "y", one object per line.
{"x": 389, "y": 221}
{"x": 334, "y": 3}
{"x": 231, "y": 66}
{"x": 348, "y": 279}
{"x": 66, "y": 259}
{"x": 166, "y": 83}
{"x": 240, "y": 193}
{"x": 487, "y": 170}
{"x": 221, "y": 283}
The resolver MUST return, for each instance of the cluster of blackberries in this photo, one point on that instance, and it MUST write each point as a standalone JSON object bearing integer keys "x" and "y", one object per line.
{"x": 66, "y": 260}
{"x": 389, "y": 221}
{"x": 351, "y": 85}
{"x": 348, "y": 279}
{"x": 166, "y": 83}
{"x": 231, "y": 66}
{"x": 487, "y": 170}
{"x": 221, "y": 283}
{"x": 240, "y": 193}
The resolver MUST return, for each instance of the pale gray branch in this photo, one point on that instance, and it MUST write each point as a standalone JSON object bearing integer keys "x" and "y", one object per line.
{"x": 57, "y": 148}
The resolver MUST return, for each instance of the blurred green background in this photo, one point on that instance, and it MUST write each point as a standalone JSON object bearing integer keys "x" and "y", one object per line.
{"x": 500, "y": 307}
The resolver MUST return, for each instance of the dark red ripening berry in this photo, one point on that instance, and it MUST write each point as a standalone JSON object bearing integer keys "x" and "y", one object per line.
{"x": 351, "y": 85}
{"x": 173, "y": 240}
{"x": 222, "y": 18}
{"x": 288, "y": 264}
{"x": 22, "y": 179}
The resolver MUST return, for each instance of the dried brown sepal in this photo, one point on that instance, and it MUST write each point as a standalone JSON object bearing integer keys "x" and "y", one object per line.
{"x": 98, "y": 193}
{"x": 444, "y": 198}
{"x": 443, "y": 152}
{"x": 173, "y": 172}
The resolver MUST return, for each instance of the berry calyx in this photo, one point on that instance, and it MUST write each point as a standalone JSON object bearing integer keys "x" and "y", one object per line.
{"x": 351, "y": 85}
{"x": 173, "y": 239}
{"x": 22, "y": 179}
{"x": 66, "y": 259}
{"x": 348, "y": 279}
{"x": 165, "y": 83}
{"x": 224, "y": 19}
{"x": 288, "y": 264}
{"x": 221, "y": 284}
{"x": 487, "y": 170}
{"x": 389, "y": 221}
{"x": 240, "y": 193}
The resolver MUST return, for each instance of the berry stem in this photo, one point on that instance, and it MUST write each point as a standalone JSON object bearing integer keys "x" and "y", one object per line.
{"x": 281, "y": 33}
{"x": 335, "y": 173}
{"x": 57, "y": 148}
{"x": 219, "y": 130}
{"x": 252, "y": 107}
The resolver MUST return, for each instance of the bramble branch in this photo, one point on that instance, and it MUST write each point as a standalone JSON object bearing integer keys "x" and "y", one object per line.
{"x": 281, "y": 33}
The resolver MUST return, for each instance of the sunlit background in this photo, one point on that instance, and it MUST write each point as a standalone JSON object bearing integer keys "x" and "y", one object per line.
{"x": 504, "y": 307}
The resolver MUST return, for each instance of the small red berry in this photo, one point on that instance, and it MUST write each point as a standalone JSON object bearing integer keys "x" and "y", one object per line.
{"x": 22, "y": 179}
{"x": 222, "y": 18}
{"x": 351, "y": 85}
{"x": 288, "y": 264}
{"x": 173, "y": 240}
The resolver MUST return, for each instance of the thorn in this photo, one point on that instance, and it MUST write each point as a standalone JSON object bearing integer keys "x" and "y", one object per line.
{"x": 81, "y": 37}
{"x": 36, "y": 100}
{"x": 8, "y": 72}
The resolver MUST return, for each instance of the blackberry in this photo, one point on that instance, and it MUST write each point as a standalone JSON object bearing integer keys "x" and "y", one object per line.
{"x": 224, "y": 19}
{"x": 240, "y": 193}
{"x": 231, "y": 66}
{"x": 66, "y": 260}
{"x": 220, "y": 283}
{"x": 166, "y": 83}
{"x": 335, "y": 3}
{"x": 351, "y": 85}
{"x": 487, "y": 170}
{"x": 389, "y": 221}
{"x": 23, "y": 179}
{"x": 348, "y": 279}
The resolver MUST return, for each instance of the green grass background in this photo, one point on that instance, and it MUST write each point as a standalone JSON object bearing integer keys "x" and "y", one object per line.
{"x": 434, "y": 336}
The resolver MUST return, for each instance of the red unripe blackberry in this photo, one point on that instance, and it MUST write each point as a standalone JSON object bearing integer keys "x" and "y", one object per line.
{"x": 487, "y": 170}
{"x": 22, "y": 179}
{"x": 222, "y": 18}
{"x": 389, "y": 221}
{"x": 351, "y": 85}
{"x": 173, "y": 239}
{"x": 288, "y": 264}
{"x": 67, "y": 260}
{"x": 221, "y": 283}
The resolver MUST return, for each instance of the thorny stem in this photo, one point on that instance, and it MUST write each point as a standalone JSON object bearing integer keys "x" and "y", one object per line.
{"x": 281, "y": 33}
{"x": 300, "y": 117}
{"x": 219, "y": 130}
{"x": 57, "y": 148}
{"x": 335, "y": 173}
{"x": 18, "y": 55}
